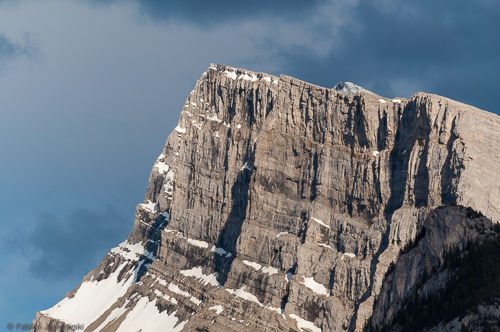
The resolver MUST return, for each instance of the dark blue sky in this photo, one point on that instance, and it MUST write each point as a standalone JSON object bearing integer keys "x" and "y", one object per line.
{"x": 90, "y": 90}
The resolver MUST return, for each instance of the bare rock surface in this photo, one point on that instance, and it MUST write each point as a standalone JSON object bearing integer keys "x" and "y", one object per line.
{"x": 279, "y": 205}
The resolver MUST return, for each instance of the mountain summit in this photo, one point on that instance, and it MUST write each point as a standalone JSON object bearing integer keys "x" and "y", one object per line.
{"x": 350, "y": 88}
{"x": 279, "y": 205}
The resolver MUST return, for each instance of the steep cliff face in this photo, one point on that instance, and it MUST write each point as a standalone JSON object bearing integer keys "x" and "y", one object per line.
{"x": 280, "y": 205}
{"x": 448, "y": 272}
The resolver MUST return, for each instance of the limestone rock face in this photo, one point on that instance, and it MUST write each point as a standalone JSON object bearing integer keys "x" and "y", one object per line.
{"x": 279, "y": 205}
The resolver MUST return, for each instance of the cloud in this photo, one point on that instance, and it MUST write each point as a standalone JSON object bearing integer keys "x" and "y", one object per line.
{"x": 7, "y": 48}
{"x": 11, "y": 49}
{"x": 398, "y": 48}
{"x": 60, "y": 247}
{"x": 203, "y": 13}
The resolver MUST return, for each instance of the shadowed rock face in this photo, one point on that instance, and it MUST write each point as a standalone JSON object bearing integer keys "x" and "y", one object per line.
{"x": 279, "y": 205}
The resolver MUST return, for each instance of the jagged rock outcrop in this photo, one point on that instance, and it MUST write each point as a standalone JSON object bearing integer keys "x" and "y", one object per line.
{"x": 280, "y": 205}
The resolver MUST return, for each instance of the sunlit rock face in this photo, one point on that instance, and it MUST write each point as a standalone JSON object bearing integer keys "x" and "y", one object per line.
{"x": 280, "y": 205}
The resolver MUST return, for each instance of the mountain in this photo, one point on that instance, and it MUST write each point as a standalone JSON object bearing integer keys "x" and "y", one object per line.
{"x": 279, "y": 205}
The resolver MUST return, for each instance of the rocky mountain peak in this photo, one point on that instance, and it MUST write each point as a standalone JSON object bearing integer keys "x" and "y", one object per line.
{"x": 280, "y": 205}
{"x": 350, "y": 88}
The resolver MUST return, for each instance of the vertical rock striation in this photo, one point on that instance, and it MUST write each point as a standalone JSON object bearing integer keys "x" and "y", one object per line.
{"x": 279, "y": 205}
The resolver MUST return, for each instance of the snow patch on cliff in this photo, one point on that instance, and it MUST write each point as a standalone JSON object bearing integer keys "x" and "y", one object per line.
{"x": 254, "y": 265}
{"x": 218, "y": 309}
{"x": 175, "y": 289}
{"x": 243, "y": 294}
{"x": 303, "y": 324}
{"x": 164, "y": 296}
{"x": 197, "y": 273}
{"x": 161, "y": 167}
{"x": 315, "y": 286}
{"x": 264, "y": 269}
{"x": 247, "y": 77}
{"x": 269, "y": 270}
{"x": 348, "y": 254}
{"x": 131, "y": 251}
{"x": 193, "y": 242}
{"x": 231, "y": 74}
{"x": 149, "y": 206}
{"x": 197, "y": 243}
{"x": 325, "y": 245}
{"x": 320, "y": 222}
{"x": 180, "y": 129}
